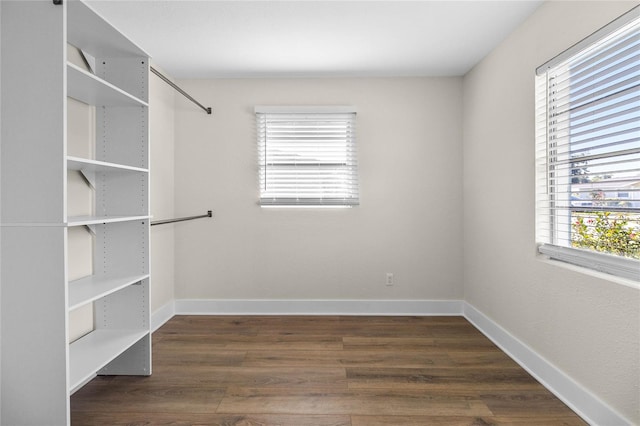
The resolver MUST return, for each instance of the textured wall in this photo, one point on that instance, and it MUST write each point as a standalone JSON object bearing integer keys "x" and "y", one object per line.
{"x": 408, "y": 223}
{"x": 585, "y": 324}
{"x": 161, "y": 113}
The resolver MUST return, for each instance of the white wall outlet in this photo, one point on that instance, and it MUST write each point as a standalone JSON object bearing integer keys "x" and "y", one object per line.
{"x": 389, "y": 281}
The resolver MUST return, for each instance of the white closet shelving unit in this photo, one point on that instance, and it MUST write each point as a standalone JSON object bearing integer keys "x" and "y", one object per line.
{"x": 39, "y": 368}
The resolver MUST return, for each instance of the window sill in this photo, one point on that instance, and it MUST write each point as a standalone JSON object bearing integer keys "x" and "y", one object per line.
{"x": 305, "y": 207}
{"x": 627, "y": 282}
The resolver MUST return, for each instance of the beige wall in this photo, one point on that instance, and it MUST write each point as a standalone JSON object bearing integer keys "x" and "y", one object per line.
{"x": 80, "y": 143}
{"x": 585, "y": 325}
{"x": 161, "y": 112}
{"x": 408, "y": 223}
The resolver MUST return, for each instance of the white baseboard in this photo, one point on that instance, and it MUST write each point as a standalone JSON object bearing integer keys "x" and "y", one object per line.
{"x": 584, "y": 403}
{"x": 317, "y": 307}
{"x": 162, "y": 315}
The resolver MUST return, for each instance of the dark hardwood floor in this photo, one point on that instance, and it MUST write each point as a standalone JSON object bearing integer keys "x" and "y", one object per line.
{"x": 324, "y": 371}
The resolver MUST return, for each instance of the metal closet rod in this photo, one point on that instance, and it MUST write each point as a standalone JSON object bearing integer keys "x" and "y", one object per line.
{"x": 181, "y": 219}
{"x": 182, "y": 92}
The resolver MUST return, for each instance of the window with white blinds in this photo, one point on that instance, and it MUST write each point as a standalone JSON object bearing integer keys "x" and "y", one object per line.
{"x": 307, "y": 156}
{"x": 588, "y": 151}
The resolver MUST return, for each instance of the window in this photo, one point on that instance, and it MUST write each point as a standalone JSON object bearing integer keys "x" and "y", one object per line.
{"x": 588, "y": 151}
{"x": 307, "y": 156}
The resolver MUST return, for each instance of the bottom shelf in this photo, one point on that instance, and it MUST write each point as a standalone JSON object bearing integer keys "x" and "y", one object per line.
{"x": 90, "y": 353}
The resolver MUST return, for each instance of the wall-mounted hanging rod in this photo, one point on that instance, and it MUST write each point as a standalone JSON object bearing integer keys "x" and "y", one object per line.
{"x": 182, "y": 92}
{"x": 181, "y": 219}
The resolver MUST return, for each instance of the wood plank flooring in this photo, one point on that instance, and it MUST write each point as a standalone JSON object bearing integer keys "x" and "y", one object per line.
{"x": 322, "y": 371}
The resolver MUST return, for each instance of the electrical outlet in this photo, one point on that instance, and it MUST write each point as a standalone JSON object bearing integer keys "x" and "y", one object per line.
{"x": 389, "y": 281}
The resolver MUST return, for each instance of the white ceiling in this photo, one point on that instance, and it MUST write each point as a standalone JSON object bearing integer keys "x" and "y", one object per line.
{"x": 305, "y": 38}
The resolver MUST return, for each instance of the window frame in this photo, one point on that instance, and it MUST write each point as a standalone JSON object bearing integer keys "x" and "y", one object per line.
{"x": 335, "y": 172}
{"x": 551, "y": 228}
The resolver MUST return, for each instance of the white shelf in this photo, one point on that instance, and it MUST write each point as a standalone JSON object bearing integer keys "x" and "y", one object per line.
{"x": 97, "y": 220}
{"x": 88, "y": 289}
{"x": 36, "y": 204}
{"x": 90, "y": 353}
{"x": 86, "y": 87}
{"x": 84, "y": 164}
{"x": 90, "y": 32}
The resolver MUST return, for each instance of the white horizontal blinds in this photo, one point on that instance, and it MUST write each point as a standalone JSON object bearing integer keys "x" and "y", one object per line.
{"x": 588, "y": 145}
{"x": 307, "y": 158}
{"x": 543, "y": 173}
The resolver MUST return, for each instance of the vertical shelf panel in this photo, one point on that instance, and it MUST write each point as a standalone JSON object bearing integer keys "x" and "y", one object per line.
{"x": 33, "y": 389}
{"x": 134, "y": 361}
{"x": 122, "y": 135}
{"x": 33, "y": 113}
{"x": 122, "y": 310}
{"x": 34, "y": 326}
{"x": 121, "y": 248}
{"x": 129, "y": 74}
